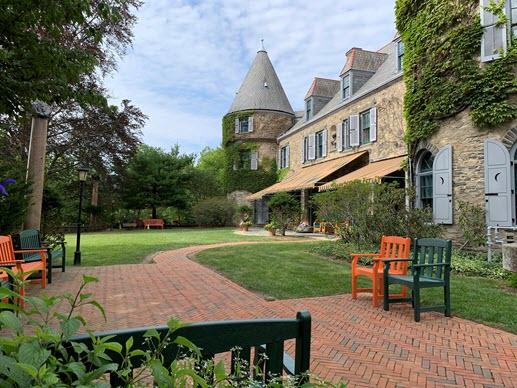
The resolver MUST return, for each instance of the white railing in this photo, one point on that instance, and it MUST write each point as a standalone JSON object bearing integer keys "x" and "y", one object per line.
{"x": 494, "y": 237}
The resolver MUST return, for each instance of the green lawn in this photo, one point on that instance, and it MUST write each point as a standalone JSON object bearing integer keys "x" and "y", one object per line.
{"x": 126, "y": 247}
{"x": 290, "y": 271}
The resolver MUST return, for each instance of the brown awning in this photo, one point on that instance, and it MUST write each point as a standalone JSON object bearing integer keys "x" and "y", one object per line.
{"x": 307, "y": 177}
{"x": 371, "y": 171}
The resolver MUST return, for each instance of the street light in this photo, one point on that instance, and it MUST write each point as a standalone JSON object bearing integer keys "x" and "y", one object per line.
{"x": 83, "y": 174}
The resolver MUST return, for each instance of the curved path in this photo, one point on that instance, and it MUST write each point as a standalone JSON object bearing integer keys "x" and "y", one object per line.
{"x": 351, "y": 340}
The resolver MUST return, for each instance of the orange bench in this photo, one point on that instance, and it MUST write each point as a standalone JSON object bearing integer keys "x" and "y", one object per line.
{"x": 154, "y": 223}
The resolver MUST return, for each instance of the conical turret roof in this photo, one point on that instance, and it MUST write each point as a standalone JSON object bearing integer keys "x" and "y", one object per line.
{"x": 261, "y": 88}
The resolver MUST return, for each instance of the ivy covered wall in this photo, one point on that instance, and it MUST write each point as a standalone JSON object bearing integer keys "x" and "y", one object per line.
{"x": 442, "y": 71}
{"x": 244, "y": 178}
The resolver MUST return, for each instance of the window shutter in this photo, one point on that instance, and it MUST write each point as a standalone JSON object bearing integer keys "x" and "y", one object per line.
{"x": 340, "y": 135}
{"x": 354, "y": 130}
{"x": 236, "y": 125}
{"x": 324, "y": 145}
{"x": 287, "y": 152}
{"x": 303, "y": 149}
{"x": 373, "y": 124}
{"x": 312, "y": 146}
{"x": 442, "y": 186}
{"x": 494, "y": 38}
{"x": 250, "y": 124}
{"x": 498, "y": 190}
{"x": 279, "y": 158}
{"x": 254, "y": 160}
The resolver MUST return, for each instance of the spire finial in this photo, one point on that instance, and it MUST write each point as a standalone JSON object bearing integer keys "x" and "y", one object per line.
{"x": 262, "y": 44}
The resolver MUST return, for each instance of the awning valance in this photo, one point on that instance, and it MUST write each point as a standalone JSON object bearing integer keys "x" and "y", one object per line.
{"x": 307, "y": 177}
{"x": 371, "y": 171}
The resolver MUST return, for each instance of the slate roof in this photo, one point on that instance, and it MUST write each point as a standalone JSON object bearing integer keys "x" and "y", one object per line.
{"x": 261, "y": 88}
{"x": 359, "y": 59}
{"x": 386, "y": 73}
{"x": 323, "y": 87}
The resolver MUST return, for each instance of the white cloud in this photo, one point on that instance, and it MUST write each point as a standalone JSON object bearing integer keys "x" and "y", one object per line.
{"x": 189, "y": 57}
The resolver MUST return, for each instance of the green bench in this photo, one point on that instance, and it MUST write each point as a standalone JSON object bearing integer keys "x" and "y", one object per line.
{"x": 430, "y": 268}
{"x": 238, "y": 337}
{"x": 31, "y": 239}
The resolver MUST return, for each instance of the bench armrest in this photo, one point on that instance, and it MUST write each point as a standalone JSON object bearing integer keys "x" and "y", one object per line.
{"x": 429, "y": 265}
{"x": 31, "y": 251}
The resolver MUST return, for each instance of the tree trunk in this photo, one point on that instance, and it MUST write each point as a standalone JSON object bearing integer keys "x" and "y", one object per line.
{"x": 154, "y": 213}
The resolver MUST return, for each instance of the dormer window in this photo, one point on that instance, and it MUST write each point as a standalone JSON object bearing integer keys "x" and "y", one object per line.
{"x": 345, "y": 82}
{"x": 400, "y": 55}
{"x": 308, "y": 109}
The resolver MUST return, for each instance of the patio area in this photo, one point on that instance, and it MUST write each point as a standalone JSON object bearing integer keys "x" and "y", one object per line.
{"x": 351, "y": 341}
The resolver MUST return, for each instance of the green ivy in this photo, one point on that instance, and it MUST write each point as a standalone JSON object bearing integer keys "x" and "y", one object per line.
{"x": 442, "y": 73}
{"x": 244, "y": 179}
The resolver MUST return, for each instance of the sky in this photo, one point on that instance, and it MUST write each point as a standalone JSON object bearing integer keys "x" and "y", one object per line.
{"x": 189, "y": 58}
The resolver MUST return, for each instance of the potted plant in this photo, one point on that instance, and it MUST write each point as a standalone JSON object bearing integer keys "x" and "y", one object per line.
{"x": 271, "y": 228}
{"x": 244, "y": 225}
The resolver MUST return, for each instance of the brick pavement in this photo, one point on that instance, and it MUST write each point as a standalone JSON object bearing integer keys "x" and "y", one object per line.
{"x": 351, "y": 341}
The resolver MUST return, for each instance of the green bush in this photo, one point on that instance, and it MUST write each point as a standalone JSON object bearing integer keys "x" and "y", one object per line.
{"x": 477, "y": 265}
{"x": 215, "y": 211}
{"x": 472, "y": 225}
{"x": 340, "y": 249}
{"x": 362, "y": 212}
{"x": 285, "y": 210}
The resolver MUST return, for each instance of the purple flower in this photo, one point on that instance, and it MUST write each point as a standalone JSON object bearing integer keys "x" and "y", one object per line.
{"x": 8, "y": 181}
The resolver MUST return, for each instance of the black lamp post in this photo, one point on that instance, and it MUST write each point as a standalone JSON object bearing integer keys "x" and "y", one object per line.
{"x": 83, "y": 174}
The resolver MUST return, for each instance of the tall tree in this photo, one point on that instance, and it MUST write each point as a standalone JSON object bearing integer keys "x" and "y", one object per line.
{"x": 208, "y": 177}
{"x": 157, "y": 178}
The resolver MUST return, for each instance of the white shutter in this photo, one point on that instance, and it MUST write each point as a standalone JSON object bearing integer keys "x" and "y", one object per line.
{"x": 236, "y": 125}
{"x": 373, "y": 124}
{"x": 250, "y": 124}
{"x": 279, "y": 158}
{"x": 340, "y": 135}
{"x": 354, "y": 130}
{"x": 442, "y": 186}
{"x": 303, "y": 149}
{"x": 287, "y": 152}
{"x": 324, "y": 145}
{"x": 498, "y": 184}
{"x": 494, "y": 39}
{"x": 312, "y": 146}
{"x": 254, "y": 160}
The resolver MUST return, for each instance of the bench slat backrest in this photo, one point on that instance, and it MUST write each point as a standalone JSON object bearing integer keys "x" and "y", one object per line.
{"x": 432, "y": 251}
{"x": 396, "y": 247}
{"x": 237, "y": 337}
{"x": 30, "y": 239}
{"x": 6, "y": 249}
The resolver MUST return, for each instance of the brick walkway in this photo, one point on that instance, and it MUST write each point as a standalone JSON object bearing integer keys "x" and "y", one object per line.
{"x": 351, "y": 340}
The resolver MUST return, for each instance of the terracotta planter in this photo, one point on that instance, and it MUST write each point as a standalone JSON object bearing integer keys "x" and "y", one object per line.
{"x": 271, "y": 232}
{"x": 245, "y": 228}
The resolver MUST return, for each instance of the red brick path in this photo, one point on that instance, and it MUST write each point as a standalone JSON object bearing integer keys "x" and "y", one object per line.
{"x": 351, "y": 340}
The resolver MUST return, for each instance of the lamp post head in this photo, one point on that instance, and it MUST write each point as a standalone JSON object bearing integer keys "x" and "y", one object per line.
{"x": 83, "y": 173}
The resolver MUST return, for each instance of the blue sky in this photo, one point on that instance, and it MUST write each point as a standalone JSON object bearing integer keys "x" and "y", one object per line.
{"x": 189, "y": 57}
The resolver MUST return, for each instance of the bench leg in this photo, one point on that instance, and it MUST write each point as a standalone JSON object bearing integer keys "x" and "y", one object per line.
{"x": 416, "y": 299}
{"x": 386, "y": 293}
{"x": 447, "y": 299}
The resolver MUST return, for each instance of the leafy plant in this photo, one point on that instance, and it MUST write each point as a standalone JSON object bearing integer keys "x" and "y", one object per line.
{"x": 472, "y": 225}
{"x": 471, "y": 264}
{"x": 285, "y": 210}
{"x": 215, "y": 211}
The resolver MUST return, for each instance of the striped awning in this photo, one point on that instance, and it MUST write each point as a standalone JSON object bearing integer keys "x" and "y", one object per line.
{"x": 372, "y": 171}
{"x": 307, "y": 177}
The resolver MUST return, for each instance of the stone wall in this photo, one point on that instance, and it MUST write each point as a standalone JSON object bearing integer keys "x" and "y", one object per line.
{"x": 390, "y": 128}
{"x": 267, "y": 126}
{"x": 468, "y": 172}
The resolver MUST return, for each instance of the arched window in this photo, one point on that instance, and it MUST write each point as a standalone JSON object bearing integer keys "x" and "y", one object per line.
{"x": 424, "y": 176}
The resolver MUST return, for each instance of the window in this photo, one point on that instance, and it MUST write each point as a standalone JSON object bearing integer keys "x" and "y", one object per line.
{"x": 346, "y": 86}
{"x": 319, "y": 144}
{"x": 244, "y": 125}
{"x": 345, "y": 138}
{"x": 245, "y": 159}
{"x": 425, "y": 180}
{"x": 364, "y": 127}
{"x": 284, "y": 157}
{"x": 308, "y": 109}
{"x": 400, "y": 55}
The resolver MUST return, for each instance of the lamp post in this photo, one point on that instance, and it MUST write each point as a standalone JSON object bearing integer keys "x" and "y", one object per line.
{"x": 83, "y": 174}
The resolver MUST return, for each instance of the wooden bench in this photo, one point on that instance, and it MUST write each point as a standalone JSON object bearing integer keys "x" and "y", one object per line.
{"x": 238, "y": 337}
{"x": 154, "y": 223}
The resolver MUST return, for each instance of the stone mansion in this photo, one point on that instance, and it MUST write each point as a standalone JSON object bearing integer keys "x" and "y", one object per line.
{"x": 352, "y": 127}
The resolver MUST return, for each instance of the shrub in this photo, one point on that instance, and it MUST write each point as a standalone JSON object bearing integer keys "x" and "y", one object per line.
{"x": 361, "y": 212}
{"x": 472, "y": 225}
{"x": 340, "y": 249}
{"x": 285, "y": 210}
{"x": 477, "y": 265}
{"x": 215, "y": 211}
